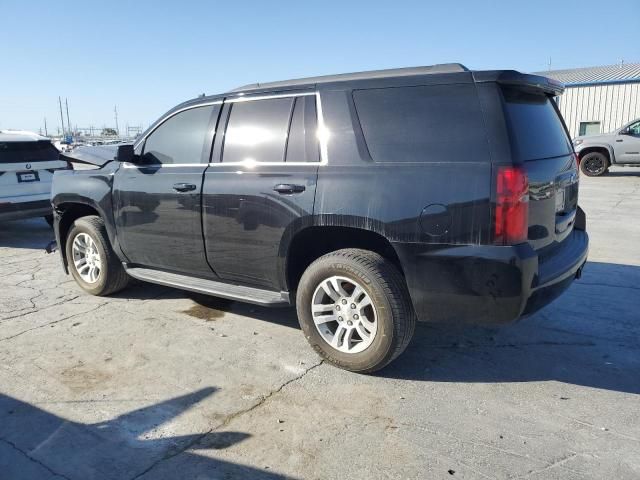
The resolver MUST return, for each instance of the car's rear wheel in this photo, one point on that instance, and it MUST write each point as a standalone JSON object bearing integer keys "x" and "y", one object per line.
{"x": 354, "y": 309}
{"x": 594, "y": 164}
{"x": 92, "y": 262}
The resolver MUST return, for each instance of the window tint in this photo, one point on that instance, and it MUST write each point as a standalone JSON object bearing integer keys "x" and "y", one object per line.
{"x": 38, "y": 151}
{"x": 302, "y": 145}
{"x": 536, "y": 128}
{"x": 257, "y": 130}
{"x": 180, "y": 139}
{"x": 439, "y": 123}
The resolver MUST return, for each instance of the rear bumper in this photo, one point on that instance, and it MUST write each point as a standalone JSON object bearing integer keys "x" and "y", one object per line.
{"x": 488, "y": 284}
{"x": 21, "y": 210}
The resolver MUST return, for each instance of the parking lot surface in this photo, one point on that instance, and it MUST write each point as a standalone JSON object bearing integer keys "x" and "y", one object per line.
{"x": 154, "y": 383}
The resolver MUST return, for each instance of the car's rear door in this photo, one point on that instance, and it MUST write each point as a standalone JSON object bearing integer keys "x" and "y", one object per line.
{"x": 627, "y": 145}
{"x": 157, "y": 200}
{"x": 260, "y": 187}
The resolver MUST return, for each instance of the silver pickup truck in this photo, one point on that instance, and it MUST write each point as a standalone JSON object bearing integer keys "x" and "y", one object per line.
{"x": 598, "y": 152}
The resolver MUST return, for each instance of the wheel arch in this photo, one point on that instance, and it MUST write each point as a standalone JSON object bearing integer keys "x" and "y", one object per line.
{"x": 604, "y": 149}
{"x": 69, "y": 212}
{"x": 312, "y": 242}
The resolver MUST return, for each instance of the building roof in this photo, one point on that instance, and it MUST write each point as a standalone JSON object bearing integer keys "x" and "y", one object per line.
{"x": 20, "y": 136}
{"x": 619, "y": 73}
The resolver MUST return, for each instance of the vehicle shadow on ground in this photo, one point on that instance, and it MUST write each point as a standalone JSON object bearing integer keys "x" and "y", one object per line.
{"x": 618, "y": 173}
{"x": 209, "y": 308}
{"x": 35, "y": 443}
{"x": 589, "y": 337}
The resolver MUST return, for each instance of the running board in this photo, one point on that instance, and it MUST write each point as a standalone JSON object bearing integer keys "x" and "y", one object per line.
{"x": 257, "y": 296}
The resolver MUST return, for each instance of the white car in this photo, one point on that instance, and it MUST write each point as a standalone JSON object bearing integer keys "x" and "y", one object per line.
{"x": 27, "y": 164}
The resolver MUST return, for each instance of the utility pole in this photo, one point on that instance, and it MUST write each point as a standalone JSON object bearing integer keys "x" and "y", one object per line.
{"x": 115, "y": 111}
{"x": 61, "y": 117}
{"x": 66, "y": 101}
{"x": 549, "y": 64}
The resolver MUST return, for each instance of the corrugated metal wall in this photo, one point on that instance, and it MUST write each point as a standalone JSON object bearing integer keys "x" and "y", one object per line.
{"x": 611, "y": 105}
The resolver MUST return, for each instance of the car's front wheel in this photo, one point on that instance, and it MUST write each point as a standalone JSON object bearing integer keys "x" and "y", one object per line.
{"x": 92, "y": 262}
{"x": 354, "y": 309}
{"x": 594, "y": 164}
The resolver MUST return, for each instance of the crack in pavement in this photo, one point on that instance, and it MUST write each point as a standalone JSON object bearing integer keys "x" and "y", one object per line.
{"x": 54, "y": 322}
{"x": 34, "y": 460}
{"x": 263, "y": 399}
{"x": 556, "y": 463}
{"x": 36, "y": 309}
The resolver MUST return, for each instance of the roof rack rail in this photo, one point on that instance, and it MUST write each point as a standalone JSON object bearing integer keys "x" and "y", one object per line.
{"x": 372, "y": 74}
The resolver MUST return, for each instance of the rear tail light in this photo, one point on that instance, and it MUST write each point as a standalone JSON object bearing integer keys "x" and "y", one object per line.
{"x": 577, "y": 157}
{"x": 512, "y": 206}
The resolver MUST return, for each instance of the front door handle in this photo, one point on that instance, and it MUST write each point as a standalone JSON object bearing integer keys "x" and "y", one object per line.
{"x": 288, "y": 189}
{"x": 619, "y": 140}
{"x": 184, "y": 187}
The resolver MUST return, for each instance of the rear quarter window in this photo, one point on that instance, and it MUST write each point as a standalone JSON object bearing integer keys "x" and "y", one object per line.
{"x": 436, "y": 123}
{"x": 535, "y": 126}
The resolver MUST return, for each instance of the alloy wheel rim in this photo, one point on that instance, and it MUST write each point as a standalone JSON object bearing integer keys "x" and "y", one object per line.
{"x": 86, "y": 258}
{"x": 344, "y": 315}
{"x": 594, "y": 165}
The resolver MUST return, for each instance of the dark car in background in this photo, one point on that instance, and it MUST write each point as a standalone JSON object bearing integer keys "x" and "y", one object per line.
{"x": 368, "y": 200}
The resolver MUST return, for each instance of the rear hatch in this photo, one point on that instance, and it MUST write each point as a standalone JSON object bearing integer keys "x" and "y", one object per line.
{"x": 540, "y": 143}
{"x": 26, "y": 167}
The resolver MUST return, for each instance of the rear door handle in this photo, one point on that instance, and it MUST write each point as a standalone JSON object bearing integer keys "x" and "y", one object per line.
{"x": 288, "y": 189}
{"x": 184, "y": 187}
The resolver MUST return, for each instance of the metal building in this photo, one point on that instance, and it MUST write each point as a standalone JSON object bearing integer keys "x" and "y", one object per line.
{"x": 598, "y": 99}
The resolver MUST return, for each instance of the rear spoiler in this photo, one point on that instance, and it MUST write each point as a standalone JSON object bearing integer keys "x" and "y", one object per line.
{"x": 517, "y": 79}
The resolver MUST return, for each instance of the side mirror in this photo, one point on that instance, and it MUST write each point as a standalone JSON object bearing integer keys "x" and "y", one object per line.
{"x": 125, "y": 153}
{"x": 624, "y": 131}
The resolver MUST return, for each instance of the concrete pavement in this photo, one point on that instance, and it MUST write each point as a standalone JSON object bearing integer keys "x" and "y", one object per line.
{"x": 153, "y": 383}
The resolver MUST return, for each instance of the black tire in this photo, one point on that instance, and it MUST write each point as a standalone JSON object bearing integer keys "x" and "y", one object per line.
{"x": 112, "y": 277}
{"x": 49, "y": 220}
{"x": 594, "y": 164}
{"x": 387, "y": 289}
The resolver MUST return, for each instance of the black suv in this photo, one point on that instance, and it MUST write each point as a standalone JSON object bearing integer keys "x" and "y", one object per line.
{"x": 369, "y": 200}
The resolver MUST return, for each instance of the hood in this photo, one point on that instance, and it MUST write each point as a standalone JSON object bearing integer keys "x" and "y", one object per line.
{"x": 98, "y": 155}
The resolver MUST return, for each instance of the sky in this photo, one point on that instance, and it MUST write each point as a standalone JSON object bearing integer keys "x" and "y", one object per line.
{"x": 146, "y": 56}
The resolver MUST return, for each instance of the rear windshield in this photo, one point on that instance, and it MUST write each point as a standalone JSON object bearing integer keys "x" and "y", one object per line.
{"x": 436, "y": 123}
{"x": 535, "y": 125}
{"x": 18, "y": 152}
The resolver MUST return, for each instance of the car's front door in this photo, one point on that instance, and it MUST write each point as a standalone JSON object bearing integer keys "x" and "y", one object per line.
{"x": 157, "y": 199}
{"x": 627, "y": 144}
{"x": 260, "y": 187}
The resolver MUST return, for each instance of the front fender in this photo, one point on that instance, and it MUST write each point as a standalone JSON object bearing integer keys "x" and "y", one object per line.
{"x": 82, "y": 191}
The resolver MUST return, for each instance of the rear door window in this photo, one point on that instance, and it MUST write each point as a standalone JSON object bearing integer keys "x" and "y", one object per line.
{"x": 29, "y": 152}
{"x": 535, "y": 125}
{"x": 436, "y": 123}
{"x": 257, "y": 131}
{"x": 302, "y": 145}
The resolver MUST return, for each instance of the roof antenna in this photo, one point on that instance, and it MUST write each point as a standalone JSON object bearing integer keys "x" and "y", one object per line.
{"x": 621, "y": 62}
{"x": 549, "y": 64}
